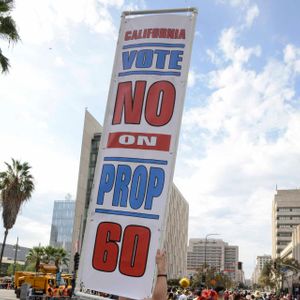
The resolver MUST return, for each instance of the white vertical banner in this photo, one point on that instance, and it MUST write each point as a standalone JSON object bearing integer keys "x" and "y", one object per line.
{"x": 137, "y": 153}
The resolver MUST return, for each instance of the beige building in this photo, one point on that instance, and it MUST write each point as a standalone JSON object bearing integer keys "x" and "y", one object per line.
{"x": 215, "y": 253}
{"x": 285, "y": 217}
{"x": 175, "y": 236}
{"x": 260, "y": 262}
{"x": 292, "y": 250}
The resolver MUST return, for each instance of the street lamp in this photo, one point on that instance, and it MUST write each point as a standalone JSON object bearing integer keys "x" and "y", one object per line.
{"x": 205, "y": 242}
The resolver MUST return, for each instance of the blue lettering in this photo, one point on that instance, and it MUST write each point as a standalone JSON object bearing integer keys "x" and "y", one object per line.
{"x": 144, "y": 58}
{"x": 147, "y": 58}
{"x": 175, "y": 58}
{"x": 155, "y": 185}
{"x": 128, "y": 59}
{"x": 121, "y": 186}
{"x": 138, "y": 187}
{"x": 161, "y": 58}
{"x": 106, "y": 182}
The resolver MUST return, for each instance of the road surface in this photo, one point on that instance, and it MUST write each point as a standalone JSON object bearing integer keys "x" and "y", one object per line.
{"x": 7, "y": 294}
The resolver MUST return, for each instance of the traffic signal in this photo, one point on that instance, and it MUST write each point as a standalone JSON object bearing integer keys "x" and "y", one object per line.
{"x": 275, "y": 265}
{"x": 76, "y": 261}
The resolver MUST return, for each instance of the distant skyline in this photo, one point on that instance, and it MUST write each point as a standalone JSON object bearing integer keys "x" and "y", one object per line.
{"x": 241, "y": 121}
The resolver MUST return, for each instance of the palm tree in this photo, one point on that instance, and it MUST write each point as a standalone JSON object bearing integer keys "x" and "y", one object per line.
{"x": 16, "y": 187}
{"x": 8, "y": 30}
{"x": 49, "y": 254}
{"x": 61, "y": 257}
{"x": 35, "y": 256}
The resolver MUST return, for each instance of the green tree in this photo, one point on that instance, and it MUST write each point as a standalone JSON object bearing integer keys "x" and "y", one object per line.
{"x": 16, "y": 187}
{"x": 211, "y": 278}
{"x": 35, "y": 256}
{"x": 61, "y": 257}
{"x": 273, "y": 273}
{"x": 10, "y": 268}
{"x": 8, "y": 30}
{"x": 30, "y": 267}
{"x": 49, "y": 254}
{"x": 266, "y": 277}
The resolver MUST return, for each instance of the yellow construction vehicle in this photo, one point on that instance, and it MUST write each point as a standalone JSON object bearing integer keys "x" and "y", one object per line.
{"x": 43, "y": 280}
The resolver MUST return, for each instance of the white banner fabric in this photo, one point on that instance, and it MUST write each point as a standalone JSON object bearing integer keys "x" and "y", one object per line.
{"x": 137, "y": 155}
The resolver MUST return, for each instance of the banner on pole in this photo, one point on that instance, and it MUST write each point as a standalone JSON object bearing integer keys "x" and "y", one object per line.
{"x": 137, "y": 154}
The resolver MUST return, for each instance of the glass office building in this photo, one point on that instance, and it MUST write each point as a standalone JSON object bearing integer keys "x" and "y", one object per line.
{"x": 62, "y": 224}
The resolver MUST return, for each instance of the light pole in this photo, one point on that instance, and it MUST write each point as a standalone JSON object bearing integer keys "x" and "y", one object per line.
{"x": 15, "y": 258}
{"x": 205, "y": 242}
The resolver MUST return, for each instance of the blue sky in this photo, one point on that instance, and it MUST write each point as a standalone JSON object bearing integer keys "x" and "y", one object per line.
{"x": 241, "y": 122}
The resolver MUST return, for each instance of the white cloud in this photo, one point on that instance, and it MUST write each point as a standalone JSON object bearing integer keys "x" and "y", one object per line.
{"x": 292, "y": 57}
{"x": 213, "y": 57}
{"x": 235, "y": 3}
{"x": 252, "y": 14}
{"x": 191, "y": 78}
{"x": 247, "y": 136}
{"x": 43, "y": 21}
{"x": 233, "y": 52}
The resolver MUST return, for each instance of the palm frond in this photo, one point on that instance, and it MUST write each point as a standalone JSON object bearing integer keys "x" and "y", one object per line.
{"x": 4, "y": 63}
{"x": 8, "y": 29}
{"x": 16, "y": 187}
{"x": 6, "y": 5}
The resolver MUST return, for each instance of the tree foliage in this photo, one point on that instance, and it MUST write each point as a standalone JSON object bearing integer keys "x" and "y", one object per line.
{"x": 8, "y": 30}
{"x": 16, "y": 187}
{"x": 10, "y": 268}
{"x": 47, "y": 255}
{"x": 35, "y": 256}
{"x": 211, "y": 278}
{"x": 273, "y": 272}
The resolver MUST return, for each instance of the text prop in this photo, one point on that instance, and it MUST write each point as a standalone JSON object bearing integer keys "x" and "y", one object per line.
{"x": 137, "y": 154}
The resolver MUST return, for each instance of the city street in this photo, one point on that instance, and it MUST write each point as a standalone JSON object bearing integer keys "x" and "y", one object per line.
{"x": 7, "y": 294}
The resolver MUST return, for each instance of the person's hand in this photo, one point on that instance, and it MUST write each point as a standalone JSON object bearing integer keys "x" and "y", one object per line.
{"x": 161, "y": 263}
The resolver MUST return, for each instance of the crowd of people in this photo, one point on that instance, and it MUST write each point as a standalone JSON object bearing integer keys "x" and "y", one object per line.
{"x": 219, "y": 293}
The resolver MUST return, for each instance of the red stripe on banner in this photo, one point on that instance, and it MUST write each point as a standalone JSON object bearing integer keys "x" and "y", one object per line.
{"x": 139, "y": 140}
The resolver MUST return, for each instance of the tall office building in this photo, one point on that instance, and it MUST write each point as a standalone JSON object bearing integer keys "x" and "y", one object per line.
{"x": 62, "y": 224}
{"x": 175, "y": 235}
{"x": 215, "y": 253}
{"x": 92, "y": 131}
{"x": 260, "y": 262}
{"x": 285, "y": 217}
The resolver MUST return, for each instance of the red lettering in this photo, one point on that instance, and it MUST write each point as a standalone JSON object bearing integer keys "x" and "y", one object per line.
{"x": 170, "y": 33}
{"x": 160, "y": 103}
{"x": 134, "y": 250}
{"x": 106, "y": 250}
{"x": 149, "y": 32}
{"x": 163, "y": 141}
{"x": 130, "y": 106}
{"x": 127, "y": 35}
{"x": 163, "y": 33}
{"x": 134, "y": 254}
{"x": 134, "y": 35}
{"x": 155, "y": 33}
{"x": 182, "y": 34}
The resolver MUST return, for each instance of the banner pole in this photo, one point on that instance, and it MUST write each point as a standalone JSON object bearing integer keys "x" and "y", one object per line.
{"x": 161, "y": 11}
